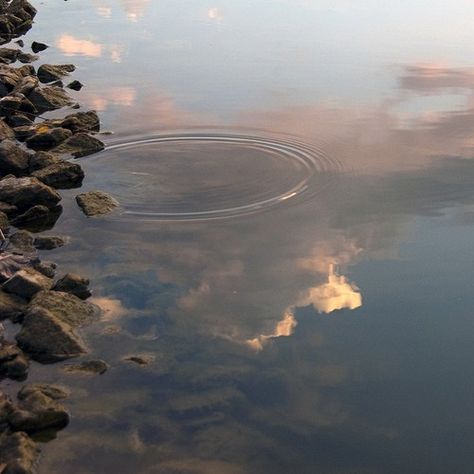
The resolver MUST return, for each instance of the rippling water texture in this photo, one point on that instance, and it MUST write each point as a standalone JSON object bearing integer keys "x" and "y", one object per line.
{"x": 293, "y": 250}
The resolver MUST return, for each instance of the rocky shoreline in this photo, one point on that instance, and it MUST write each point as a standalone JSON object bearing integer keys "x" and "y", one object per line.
{"x": 36, "y": 161}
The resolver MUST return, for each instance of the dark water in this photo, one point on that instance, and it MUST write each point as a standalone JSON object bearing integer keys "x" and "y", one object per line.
{"x": 294, "y": 252}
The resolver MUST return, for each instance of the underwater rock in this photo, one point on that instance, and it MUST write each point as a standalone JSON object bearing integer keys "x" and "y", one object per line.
{"x": 75, "y": 285}
{"x": 90, "y": 367}
{"x": 22, "y": 241}
{"x": 53, "y": 72}
{"x": 79, "y": 145}
{"x": 49, "y": 242}
{"x": 141, "y": 360}
{"x": 96, "y": 203}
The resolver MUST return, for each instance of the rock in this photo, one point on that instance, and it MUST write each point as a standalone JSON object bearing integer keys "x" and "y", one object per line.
{"x": 26, "y": 283}
{"x": 27, "y": 57}
{"x": 141, "y": 360}
{"x": 26, "y": 85}
{"x": 11, "y": 307}
{"x": 46, "y": 268}
{"x": 23, "y": 132}
{"x": 37, "y": 47}
{"x": 8, "y": 209}
{"x": 26, "y": 192}
{"x": 96, "y": 203}
{"x": 26, "y": 70}
{"x": 18, "y": 120}
{"x": 42, "y": 159}
{"x": 80, "y": 145}
{"x": 13, "y": 362}
{"x": 49, "y": 98}
{"x": 19, "y": 453}
{"x": 46, "y": 338}
{"x": 9, "y": 104}
{"x": 91, "y": 367}
{"x": 22, "y": 241}
{"x": 20, "y": 43}
{"x": 51, "y": 72}
{"x": 66, "y": 307}
{"x": 75, "y": 85}
{"x": 13, "y": 159}
{"x": 61, "y": 175}
{"x": 50, "y": 242}
{"x": 5, "y": 131}
{"x": 38, "y": 218}
{"x": 48, "y": 139}
{"x": 75, "y": 285}
{"x": 55, "y": 392}
{"x": 9, "y": 55}
{"x": 4, "y": 224}
{"x": 82, "y": 122}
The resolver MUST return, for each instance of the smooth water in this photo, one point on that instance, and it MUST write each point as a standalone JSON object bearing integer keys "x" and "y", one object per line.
{"x": 294, "y": 251}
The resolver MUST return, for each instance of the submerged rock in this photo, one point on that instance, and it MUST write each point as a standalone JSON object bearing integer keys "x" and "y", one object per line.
{"x": 61, "y": 175}
{"x": 75, "y": 285}
{"x": 79, "y": 145}
{"x": 142, "y": 360}
{"x": 90, "y": 367}
{"x": 53, "y": 72}
{"x": 49, "y": 242}
{"x": 18, "y": 453}
{"x": 96, "y": 203}
{"x": 27, "y": 282}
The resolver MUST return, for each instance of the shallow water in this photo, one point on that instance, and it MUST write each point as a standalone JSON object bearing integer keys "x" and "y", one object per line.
{"x": 294, "y": 249}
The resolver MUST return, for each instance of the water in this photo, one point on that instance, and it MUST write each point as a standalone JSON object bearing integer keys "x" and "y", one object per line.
{"x": 294, "y": 250}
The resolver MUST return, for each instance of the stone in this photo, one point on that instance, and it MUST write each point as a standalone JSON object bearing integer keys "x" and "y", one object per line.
{"x": 49, "y": 98}
{"x": 66, "y": 307}
{"x": 13, "y": 159}
{"x": 26, "y": 85}
{"x": 37, "y": 47}
{"x": 26, "y": 283}
{"x": 141, "y": 360}
{"x": 38, "y": 218}
{"x": 53, "y": 72}
{"x": 82, "y": 122}
{"x": 19, "y": 453}
{"x": 95, "y": 203}
{"x": 18, "y": 120}
{"x": 4, "y": 223}
{"x": 9, "y": 104}
{"x": 90, "y": 367}
{"x": 23, "y": 132}
{"x": 50, "y": 242}
{"x": 8, "y": 209}
{"x": 26, "y": 192}
{"x": 61, "y": 175}
{"x": 9, "y": 55}
{"x": 13, "y": 362}
{"x": 80, "y": 145}
{"x": 46, "y": 268}
{"x": 75, "y": 285}
{"x": 38, "y": 409}
{"x": 5, "y": 131}
{"x": 42, "y": 159}
{"x": 20, "y": 43}
{"x": 27, "y": 57}
{"x": 75, "y": 85}
{"x": 48, "y": 339}
{"x": 11, "y": 307}
{"x": 22, "y": 241}
{"x": 48, "y": 139}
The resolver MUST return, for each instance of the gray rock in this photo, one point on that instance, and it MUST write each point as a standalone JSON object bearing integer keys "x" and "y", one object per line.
{"x": 13, "y": 362}
{"x": 19, "y": 453}
{"x": 82, "y": 122}
{"x": 13, "y": 159}
{"x": 11, "y": 307}
{"x": 66, "y": 307}
{"x": 75, "y": 285}
{"x": 48, "y": 139}
{"x": 96, "y": 203}
{"x": 80, "y": 145}
{"x": 49, "y": 98}
{"x": 48, "y": 339}
{"x": 53, "y": 72}
{"x": 38, "y": 409}
{"x": 27, "y": 282}
{"x": 90, "y": 367}
{"x": 37, "y": 47}
{"x": 61, "y": 175}
{"x": 26, "y": 192}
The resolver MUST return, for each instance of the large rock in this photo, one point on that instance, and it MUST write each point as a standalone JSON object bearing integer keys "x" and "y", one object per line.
{"x": 54, "y": 72}
{"x": 75, "y": 285}
{"x": 49, "y": 98}
{"x": 66, "y": 307}
{"x": 80, "y": 145}
{"x": 38, "y": 218}
{"x": 82, "y": 122}
{"x": 61, "y": 175}
{"x": 13, "y": 159}
{"x": 26, "y": 192}
{"x": 11, "y": 306}
{"x": 49, "y": 138}
{"x": 22, "y": 241}
{"x": 26, "y": 283}
{"x": 18, "y": 453}
{"x": 5, "y": 131}
{"x": 38, "y": 409}
{"x": 13, "y": 362}
{"x": 96, "y": 203}
{"x": 48, "y": 339}
{"x": 42, "y": 159}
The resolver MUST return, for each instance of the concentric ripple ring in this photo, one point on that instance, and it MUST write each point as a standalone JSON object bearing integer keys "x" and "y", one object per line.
{"x": 262, "y": 172}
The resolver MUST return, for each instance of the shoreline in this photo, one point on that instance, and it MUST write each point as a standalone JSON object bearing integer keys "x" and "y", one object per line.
{"x": 37, "y": 160}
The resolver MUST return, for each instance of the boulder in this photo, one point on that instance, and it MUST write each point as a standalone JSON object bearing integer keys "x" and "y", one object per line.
{"x": 18, "y": 453}
{"x": 49, "y": 98}
{"x": 18, "y": 120}
{"x": 36, "y": 47}
{"x": 53, "y": 72}
{"x": 42, "y": 159}
{"x": 13, "y": 159}
{"x": 26, "y": 283}
{"x": 26, "y": 192}
{"x": 96, "y": 203}
{"x": 80, "y": 145}
{"x": 22, "y": 241}
{"x": 5, "y": 131}
{"x": 11, "y": 307}
{"x": 8, "y": 209}
{"x": 13, "y": 362}
{"x": 38, "y": 218}
{"x": 75, "y": 285}
{"x": 61, "y": 175}
{"x": 82, "y": 122}
{"x": 46, "y": 268}
{"x": 48, "y": 139}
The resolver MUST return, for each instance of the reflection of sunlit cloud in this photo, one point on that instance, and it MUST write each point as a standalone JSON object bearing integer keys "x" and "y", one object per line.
{"x": 134, "y": 9}
{"x": 71, "y": 46}
{"x": 123, "y": 96}
{"x": 105, "y": 12}
{"x": 215, "y": 14}
{"x": 111, "y": 308}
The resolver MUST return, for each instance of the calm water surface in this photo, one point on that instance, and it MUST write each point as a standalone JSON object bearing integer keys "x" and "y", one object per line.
{"x": 294, "y": 252}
